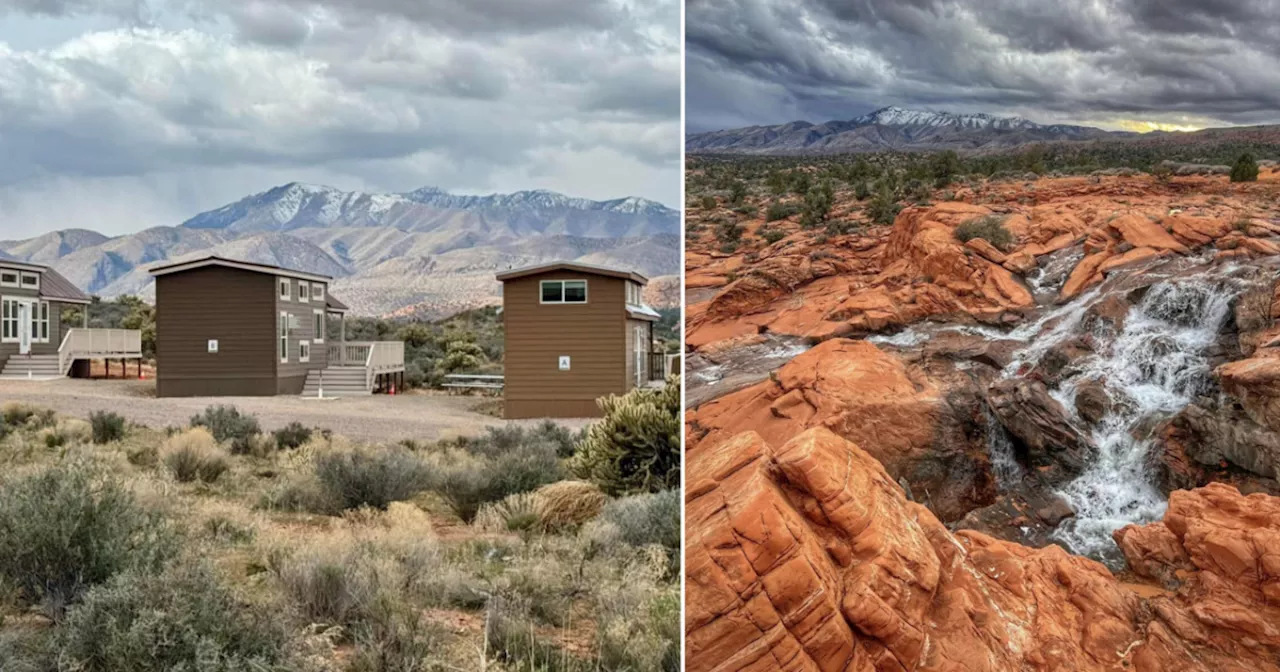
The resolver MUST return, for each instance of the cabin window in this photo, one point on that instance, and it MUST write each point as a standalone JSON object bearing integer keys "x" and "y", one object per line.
{"x": 304, "y": 292}
{"x": 564, "y": 291}
{"x": 9, "y": 320}
{"x": 284, "y": 338}
{"x": 286, "y": 289}
{"x": 40, "y": 326}
{"x": 317, "y": 291}
{"x": 9, "y": 278}
{"x": 633, "y": 294}
{"x": 30, "y": 281}
{"x": 319, "y": 326}
{"x": 304, "y": 351}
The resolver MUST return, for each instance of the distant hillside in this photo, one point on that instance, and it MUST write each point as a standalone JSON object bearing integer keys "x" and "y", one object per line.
{"x": 427, "y": 252}
{"x": 891, "y": 128}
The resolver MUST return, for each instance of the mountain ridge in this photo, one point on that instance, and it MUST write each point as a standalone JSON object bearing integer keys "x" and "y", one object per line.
{"x": 891, "y": 128}
{"x": 424, "y": 252}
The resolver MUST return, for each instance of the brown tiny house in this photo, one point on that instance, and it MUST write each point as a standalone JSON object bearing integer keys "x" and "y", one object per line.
{"x": 574, "y": 333}
{"x": 233, "y": 328}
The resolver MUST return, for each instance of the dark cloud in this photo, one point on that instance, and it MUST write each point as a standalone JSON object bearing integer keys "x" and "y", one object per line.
{"x": 580, "y": 96}
{"x": 1185, "y": 62}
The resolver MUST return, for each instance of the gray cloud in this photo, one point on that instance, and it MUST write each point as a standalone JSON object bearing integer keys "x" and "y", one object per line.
{"x": 375, "y": 94}
{"x": 1185, "y": 62}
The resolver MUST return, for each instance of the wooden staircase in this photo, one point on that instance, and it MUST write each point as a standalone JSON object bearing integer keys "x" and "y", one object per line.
{"x": 32, "y": 367}
{"x": 338, "y": 381}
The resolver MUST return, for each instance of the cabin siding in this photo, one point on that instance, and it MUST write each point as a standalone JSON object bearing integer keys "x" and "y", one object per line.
{"x": 593, "y": 335}
{"x": 291, "y": 376}
{"x": 234, "y": 306}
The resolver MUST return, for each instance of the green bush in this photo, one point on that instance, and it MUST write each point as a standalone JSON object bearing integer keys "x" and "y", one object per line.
{"x": 770, "y": 235}
{"x": 181, "y": 619}
{"x": 635, "y": 447}
{"x": 883, "y": 207}
{"x": 989, "y": 228}
{"x": 68, "y": 528}
{"x": 708, "y": 203}
{"x": 777, "y": 211}
{"x": 370, "y": 477}
{"x": 292, "y": 435}
{"x": 1245, "y": 169}
{"x": 107, "y": 426}
{"x": 227, "y": 423}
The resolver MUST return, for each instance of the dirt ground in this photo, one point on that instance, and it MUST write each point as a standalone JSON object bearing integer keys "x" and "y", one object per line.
{"x": 424, "y": 417}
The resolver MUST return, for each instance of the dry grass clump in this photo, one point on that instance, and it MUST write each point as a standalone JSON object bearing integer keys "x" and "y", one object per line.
{"x": 17, "y": 413}
{"x": 513, "y": 513}
{"x": 567, "y": 504}
{"x": 66, "y": 432}
{"x": 194, "y": 455}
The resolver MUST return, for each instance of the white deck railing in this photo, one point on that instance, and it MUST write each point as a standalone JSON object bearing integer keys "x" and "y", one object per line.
{"x": 98, "y": 344}
{"x": 376, "y": 357}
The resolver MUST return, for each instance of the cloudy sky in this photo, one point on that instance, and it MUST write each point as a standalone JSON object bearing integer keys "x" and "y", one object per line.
{"x": 117, "y": 115}
{"x": 1117, "y": 64}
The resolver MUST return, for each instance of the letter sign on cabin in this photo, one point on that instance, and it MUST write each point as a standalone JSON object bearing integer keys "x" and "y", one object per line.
{"x": 213, "y": 346}
{"x": 564, "y": 362}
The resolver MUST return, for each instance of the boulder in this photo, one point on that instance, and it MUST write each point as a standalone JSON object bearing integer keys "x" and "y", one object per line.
{"x": 1040, "y": 425}
{"x": 1255, "y": 382}
{"x": 1093, "y": 401}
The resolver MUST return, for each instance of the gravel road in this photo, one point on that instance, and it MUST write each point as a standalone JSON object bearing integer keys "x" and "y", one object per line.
{"x": 376, "y": 418}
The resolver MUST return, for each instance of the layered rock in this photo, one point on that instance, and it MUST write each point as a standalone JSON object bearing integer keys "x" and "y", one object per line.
{"x": 806, "y": 555}
{"x": 923, "y": 430}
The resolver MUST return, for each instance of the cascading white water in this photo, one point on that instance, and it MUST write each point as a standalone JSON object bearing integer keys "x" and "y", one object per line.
{"x": 1000, "y": 447}
{"x": 1153, "y": 368}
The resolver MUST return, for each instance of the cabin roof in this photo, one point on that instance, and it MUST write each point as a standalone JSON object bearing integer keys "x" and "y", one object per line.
{"x": 214, "y": 260}
{"x": 576, "y": 266}
{"x": 53, "y": 285}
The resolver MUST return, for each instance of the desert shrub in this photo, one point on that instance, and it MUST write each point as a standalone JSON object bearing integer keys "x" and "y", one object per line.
{"x": 638, "y": 624}
{"x": 883, "y": 207}
{"x": 729, "y": 232}
{"x": 372, "y": 477}
{"x": 989, "y": 228}
{"x": 635, "y": 447}
{"x": 777, "y": 211}
{"x": 226, "y": 530}
{"x": 862, "y": 190}
{"x": 16, "y": 414}
{"x": 68, "y": 528}
{"x": 107, "y": 426}
{"x": 481, "y": 471}
{"x": 1245, "y": 169}
{"x": 181, "y": 619}
{"x": 292, "y": 435}
{"x": 227, "y": 423}
{"x": 513, "y": 513}
{"x": 567, "y": 504}
{"x": 512, "y": 640}
{"x": 650, "y": 518}
{"x": 194, "y": 454}
{"x": 397, "y": 640}
{"x": 708, "y": 203}
{"x": 817, "y": 205}
{"x": 770, "y": 235}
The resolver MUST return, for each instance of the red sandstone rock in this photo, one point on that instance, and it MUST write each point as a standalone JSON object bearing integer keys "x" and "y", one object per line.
{"x": 809, "y": 557}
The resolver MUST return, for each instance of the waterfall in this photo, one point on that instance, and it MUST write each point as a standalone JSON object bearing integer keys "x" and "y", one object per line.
{"x": 1000, "y": 447}
{"x": 1153, "y": 368}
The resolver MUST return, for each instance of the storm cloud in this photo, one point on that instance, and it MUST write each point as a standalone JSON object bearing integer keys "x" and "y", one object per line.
{"x": 1112, "y": 63}
{"x": 175, "y": 106}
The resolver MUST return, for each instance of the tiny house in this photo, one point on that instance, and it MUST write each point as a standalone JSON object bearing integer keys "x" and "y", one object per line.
{"x": 574, "y": 333}
{"x": 33, "y": 341}
{"x": 234, "y": 328}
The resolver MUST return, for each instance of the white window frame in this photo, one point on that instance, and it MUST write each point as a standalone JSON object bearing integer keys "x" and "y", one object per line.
{"x": 284, "y": 288}
{"x": 318, "y": 323}
{"x": 317, "y": 292}
{"x": 282, "y": 348}
{"x": 10, "y": 304}
{"x": 641, "y": 349}
{"x": 586, "y": 295}
{"x": 304, "y": 292}
{"x": 22, "y": 280}
{"x": 304, "y": 351}
{"x": 40, "y": 322}
{"x": 17, "y": 278}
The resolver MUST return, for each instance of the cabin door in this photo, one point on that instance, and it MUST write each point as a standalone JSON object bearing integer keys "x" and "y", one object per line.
{"x": 26, "y": 322}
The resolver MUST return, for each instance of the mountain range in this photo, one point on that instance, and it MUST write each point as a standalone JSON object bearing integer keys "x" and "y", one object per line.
{"x": 425, "y": 252}
{"x": 891, "y": 128}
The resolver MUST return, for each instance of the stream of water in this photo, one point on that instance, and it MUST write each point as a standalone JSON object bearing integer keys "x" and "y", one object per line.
{"x": 1152, "y": 368}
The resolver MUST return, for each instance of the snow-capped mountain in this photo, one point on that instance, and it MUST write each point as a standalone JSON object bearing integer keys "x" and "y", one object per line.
{"x": 890, "y": 128}
{"x": 427, "y": 251}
